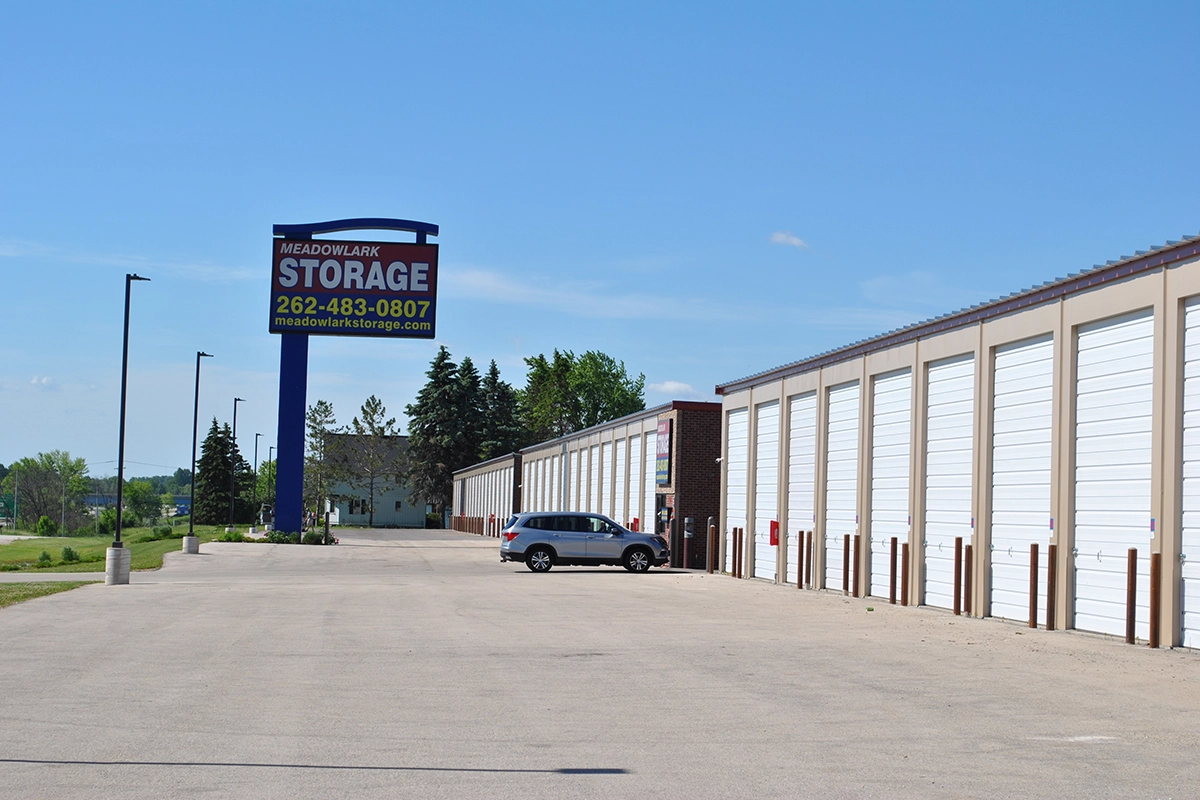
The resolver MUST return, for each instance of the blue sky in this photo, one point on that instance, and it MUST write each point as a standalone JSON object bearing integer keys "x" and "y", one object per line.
{"x": 703, "y": 191}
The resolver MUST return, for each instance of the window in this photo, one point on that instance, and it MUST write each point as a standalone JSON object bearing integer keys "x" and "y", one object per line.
{"x": 399, "y": 505}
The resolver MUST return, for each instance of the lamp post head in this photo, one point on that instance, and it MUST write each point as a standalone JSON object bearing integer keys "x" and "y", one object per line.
{"x": 135, "y": 277}
{"x": 202, "y": 354}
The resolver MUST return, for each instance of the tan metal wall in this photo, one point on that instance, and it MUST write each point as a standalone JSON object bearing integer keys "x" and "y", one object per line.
{"x": 1163, "y": 290}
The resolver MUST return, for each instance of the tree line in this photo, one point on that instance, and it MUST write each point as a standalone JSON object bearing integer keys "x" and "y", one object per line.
{"x": 53, "y": 494}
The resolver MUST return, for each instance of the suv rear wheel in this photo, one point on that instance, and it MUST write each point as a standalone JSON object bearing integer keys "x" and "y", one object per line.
{"x": 638, "y": 559}
{"x": 539, "y": 559}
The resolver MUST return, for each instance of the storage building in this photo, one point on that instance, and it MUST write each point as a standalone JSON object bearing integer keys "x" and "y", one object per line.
{"x": 655, "y": 467}
{"x": 1060, "y": 424}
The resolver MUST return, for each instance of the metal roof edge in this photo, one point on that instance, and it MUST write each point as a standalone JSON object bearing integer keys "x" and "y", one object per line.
{"x": 612, "y": 423}
{"x": 490, "y": 461}
{"x": 1127, "y": 266}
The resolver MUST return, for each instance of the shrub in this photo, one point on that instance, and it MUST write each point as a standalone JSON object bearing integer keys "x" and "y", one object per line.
{"x": 279, "y": 537}
{"x": 314, "y": 537}
{"x": 433, "y": 520}
{"x": 45, "y": 557}
{"x": 233, "y": 536}
{"x": 108, "y": 522}
{"x": 162, "y": 531}
{"x": 69, "y": 554}
{"x": 46, "y": 526}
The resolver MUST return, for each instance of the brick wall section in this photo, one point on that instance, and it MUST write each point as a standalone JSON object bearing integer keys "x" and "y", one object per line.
{"x": 696, "y": 476}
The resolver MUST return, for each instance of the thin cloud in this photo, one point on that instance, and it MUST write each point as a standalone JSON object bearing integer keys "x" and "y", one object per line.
{"x": 677, "y": 389}
{"x": 589, "y": 300}
{"x": 789, "y": 239}
{"x": 19, "y": 248}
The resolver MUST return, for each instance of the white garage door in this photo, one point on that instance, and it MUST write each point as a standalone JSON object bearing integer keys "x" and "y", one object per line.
{"x": 619, "y": 487}
{"x": 1191, "y": 476}
{"x": 841, "y": 478}
{"x": 802, "y": 468}
{"x": 891, "y": 432}
{"x": 766, "y": 489}
{"x": 1022, "y": 410}
{"x": 594, "y": 478}
{"x": 650, "y": 482}
{"x": 635, "y": 480}
{"x": 737, "y": 437}
{"x": 606, "y": 479}
{"x": 948, "y": 465}
{"x": 1114, "y": 404}
{"x": 573, "y": 483}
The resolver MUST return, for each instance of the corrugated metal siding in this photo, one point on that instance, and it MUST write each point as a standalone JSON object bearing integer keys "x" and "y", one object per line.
{"x": 766, "y": 488}
{"x": 1114, "y": 409}
{"x": 635, "y": 479}
{"x": 948, "y": 469}
{"x": 649, "y": 484}
{"x": 1190, "y": 539}
{"x": 802, "y": 473}
{"x": 891, "y": 435}
{"x": 1022, "y": 413}
{"x": 737, "y": 462}
{"x": 593, "y": 478}
{"x": 620, "y": 490}
{"x": 606, "y": 478}
{"x": 841, "y": 478}
{"x": 573, "y": 482}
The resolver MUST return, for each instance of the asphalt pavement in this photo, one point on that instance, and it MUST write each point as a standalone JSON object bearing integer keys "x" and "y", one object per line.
{"x": 413, "y": 664}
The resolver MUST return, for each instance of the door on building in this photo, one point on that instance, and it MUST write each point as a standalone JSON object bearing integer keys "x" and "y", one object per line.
{"x": 891, "y": 432}
{"x": 950, "y": 433}
{"x": 841, "y": 479}
{"x": 1022, "y": 411}
{"x": 766, "y": 489}
{"x": 1190, "y": 539}
{"x": 801, "y": 476}
{"x": 737, "y": 458}
{"x": 1114, "y": 403}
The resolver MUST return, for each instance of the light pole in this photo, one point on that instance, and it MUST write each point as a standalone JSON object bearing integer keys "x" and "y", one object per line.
{"x": 271, "y": 480}
{"x": 116, "y": 559}
{"x": 233, "y": 460}
{"x": 191, "y": 544}
{"x": 256, "y": 474}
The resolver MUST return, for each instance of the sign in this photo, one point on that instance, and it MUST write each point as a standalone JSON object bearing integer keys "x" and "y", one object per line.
{"x": 334, "y": 288}
{"x": 662, "y": 447}
{"x": 774, "y": 533}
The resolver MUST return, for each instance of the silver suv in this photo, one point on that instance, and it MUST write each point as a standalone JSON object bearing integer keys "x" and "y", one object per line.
{"x": 544, "y": 538}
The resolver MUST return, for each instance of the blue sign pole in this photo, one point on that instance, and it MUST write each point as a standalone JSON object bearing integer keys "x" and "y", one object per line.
{"x": 289, "y": 471}
{"x": 343, "y": 309}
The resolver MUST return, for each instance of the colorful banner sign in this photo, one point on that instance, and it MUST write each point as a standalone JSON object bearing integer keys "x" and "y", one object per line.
{"x": 662, "y": 464}
{"x": 335, "y": 288}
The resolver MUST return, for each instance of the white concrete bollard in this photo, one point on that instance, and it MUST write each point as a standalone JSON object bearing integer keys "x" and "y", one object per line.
{"x": 191, "y": 545}
{"x": 116, "y": 566}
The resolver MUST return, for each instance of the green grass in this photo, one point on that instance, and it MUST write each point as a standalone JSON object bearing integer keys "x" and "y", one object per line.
{"x": 22, "y": 555}
{"x": 11, "y": 593}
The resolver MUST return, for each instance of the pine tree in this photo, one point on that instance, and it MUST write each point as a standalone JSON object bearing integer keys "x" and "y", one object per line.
{"x": 218, "y": 458}
{"x": 502, "y": 431}
{"x": 549, "y": 406}
{"x": 471, "y": 418}
{"x": 435, "y": 435}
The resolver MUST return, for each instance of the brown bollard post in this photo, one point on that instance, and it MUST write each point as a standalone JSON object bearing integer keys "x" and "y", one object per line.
{"x": 800, "y": 541}
{"x": 856, "y": 565}
{"x": 904, "y": 574}
{"x": 957, "y": 576}
{"x": 1051, "y": 586}
{"x": 808, "y": 564}
{"x": 892, "y": 582}
{"x": 1131, "y": 597}
{"x": 712, "y": 546}
{"x": 1155, "y": 596}
{"x": 738, "y": 552}
{"x": 735, "y": 552}
{"x": 968, "y": 573}
{"x": 846, "y": 564}
{"x": 1033, "y": 584}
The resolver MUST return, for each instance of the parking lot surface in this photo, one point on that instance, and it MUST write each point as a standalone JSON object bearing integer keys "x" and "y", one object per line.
{"x": 415, "y": 664}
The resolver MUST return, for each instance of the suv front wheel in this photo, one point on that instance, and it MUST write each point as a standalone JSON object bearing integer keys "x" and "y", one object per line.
{"x": 638, "y": 560}
{"x": 539, "y": 559}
